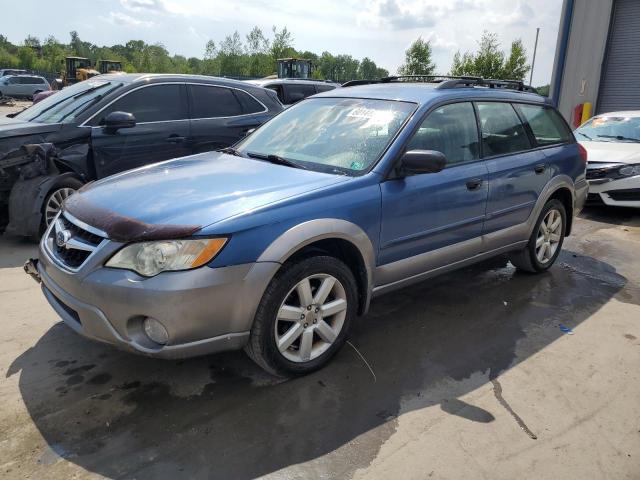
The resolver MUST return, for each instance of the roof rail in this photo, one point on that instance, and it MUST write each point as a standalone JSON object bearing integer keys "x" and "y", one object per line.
{"x": 449, "y": 81}
{"x": 306, "y": 79}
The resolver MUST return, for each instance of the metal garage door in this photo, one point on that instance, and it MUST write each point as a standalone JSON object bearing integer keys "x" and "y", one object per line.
{"x": 620, "y": 85}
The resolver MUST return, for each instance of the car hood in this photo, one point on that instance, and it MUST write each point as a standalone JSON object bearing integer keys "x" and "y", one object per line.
{"x": 612, "y": 152}
{"x": 192, "y": 192}
{"x": 13, "y": 127}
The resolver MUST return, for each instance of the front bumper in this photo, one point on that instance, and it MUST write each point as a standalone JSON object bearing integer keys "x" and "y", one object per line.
{"x": 622, "y": 192}
{"x": 204, "y": 310}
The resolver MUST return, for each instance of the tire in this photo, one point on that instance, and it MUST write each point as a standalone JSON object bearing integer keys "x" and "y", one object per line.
{"x": 529, "y": 259}
{"x": 303, "y": 334}
{"x": 58, "y": 192}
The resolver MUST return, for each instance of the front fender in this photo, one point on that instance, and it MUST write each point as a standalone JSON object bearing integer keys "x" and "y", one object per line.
{"x": 306, "y": 233}
{"x": 25, "y": 203}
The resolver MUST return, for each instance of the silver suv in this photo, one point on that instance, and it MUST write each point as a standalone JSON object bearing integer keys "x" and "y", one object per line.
{"x": 23, "y": 85}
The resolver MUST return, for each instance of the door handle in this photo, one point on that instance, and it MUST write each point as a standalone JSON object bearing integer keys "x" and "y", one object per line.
{"x": 474, "y": 183}
{"x": 539, "y": 169}
{"x": 175, "y": 139}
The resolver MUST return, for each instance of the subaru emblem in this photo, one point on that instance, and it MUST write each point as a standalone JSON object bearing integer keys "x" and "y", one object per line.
{"x": 62, "y": 237}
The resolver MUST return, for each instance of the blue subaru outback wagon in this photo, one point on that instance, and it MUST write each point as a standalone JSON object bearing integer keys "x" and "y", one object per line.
{"x": 277, "y": 244}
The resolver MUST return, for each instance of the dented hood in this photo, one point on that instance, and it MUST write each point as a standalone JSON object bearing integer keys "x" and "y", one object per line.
{"x": 178, "y": 197}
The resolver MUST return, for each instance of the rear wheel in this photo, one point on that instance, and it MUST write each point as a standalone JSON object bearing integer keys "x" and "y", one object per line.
{"x": 546, "y": 240}
{"x": 304, "y": 316}
{"x": 61, "y": 190}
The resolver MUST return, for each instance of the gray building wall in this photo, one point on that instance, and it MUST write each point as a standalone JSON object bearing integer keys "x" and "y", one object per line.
{"x": 584, "y": 54}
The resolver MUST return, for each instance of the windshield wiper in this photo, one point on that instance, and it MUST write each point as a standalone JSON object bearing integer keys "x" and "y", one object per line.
{"x": 585, "y": 135}
{"x": 231, "y": 151}
{"x": 620, "y": 137}
{"x": 73, "y": 98}
{"x": 278, "y": 160}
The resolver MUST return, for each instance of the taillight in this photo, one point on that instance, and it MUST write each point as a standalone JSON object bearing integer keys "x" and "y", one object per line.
{"x": 583, "y": 153}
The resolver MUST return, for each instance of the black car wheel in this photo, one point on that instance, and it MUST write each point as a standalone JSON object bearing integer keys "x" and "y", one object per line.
{"x": 546, "y": 240}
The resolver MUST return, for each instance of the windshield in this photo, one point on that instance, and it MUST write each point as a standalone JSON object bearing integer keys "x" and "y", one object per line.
{"x": 610, "y": 129}
{"x": 68, "y": 103}
{"x": 336, "y": 135}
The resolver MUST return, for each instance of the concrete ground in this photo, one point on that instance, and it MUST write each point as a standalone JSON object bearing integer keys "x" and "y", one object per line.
{"x": 482, "y": 373}
{"x": 16, "y": 106}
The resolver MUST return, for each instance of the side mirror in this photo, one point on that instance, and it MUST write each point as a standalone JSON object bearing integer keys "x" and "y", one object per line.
{"x": 423, "y": 161}
{"x": 117, "y": 120}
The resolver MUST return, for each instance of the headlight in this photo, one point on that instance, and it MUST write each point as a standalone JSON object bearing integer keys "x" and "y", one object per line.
{"x": 630, "y": 170}
{"x": 151, "y": 258}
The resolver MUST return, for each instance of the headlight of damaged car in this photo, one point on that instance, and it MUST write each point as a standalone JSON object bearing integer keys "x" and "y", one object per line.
{"x": 151, "y": 258}
{"x": 629, "y": 170}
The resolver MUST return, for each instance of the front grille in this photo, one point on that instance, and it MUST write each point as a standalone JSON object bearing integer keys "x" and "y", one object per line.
{"x": 69, "y": 243}
{"x": 604, "y": 172}
{"x": 627, "y": 195}
{"x": 594, "y": 199}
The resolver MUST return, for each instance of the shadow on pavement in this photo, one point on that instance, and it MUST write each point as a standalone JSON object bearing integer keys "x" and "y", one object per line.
{"x": 221, "y": 417}
{"x": 612, "y": 215}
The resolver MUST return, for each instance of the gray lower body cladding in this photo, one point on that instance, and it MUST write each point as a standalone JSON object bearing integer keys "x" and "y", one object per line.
{"x": 205, "y": 310}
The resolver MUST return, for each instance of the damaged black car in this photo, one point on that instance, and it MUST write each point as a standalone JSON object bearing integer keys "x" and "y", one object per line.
{"x": 113, "y": 123}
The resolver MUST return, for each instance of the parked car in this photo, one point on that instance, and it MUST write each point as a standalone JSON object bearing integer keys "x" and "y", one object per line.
{"x": 613, "y": 172}
{"x": 12, "y": 71}
{"x": 278, "y": 243}
{"x": 290, "y": 90}
{"x": 113, "y": 123}
{"x": 23, "y": 85}
{"x": 38, "y": 97}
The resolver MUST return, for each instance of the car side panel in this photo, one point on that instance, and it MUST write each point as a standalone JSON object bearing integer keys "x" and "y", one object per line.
{"x": 514, "y": 187}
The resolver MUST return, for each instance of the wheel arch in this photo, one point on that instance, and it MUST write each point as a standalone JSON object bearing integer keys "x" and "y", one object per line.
{"x": 339, "y": 238}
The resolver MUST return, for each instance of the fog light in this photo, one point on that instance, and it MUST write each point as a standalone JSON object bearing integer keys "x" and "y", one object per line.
{"x": 155, "y": 331}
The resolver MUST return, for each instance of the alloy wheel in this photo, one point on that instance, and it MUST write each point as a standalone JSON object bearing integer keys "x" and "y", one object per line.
{"x": 549, "y": 236}
{"x": 310, "y": 318}
{"x": 54, "y": 203}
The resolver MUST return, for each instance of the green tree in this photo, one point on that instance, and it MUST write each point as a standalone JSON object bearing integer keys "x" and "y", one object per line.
{"x": 490, "y": 62}
{"x": 515, "y": 66}
{"x": 282, "y": 44}
{"x": 368, "y": 69}
{"x": 417, "y": 59}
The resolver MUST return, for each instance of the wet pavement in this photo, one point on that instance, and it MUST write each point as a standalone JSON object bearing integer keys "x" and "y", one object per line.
{"x": 481, "y": 373}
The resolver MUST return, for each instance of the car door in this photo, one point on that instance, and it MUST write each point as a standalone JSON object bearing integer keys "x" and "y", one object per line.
{"x": 517, "y": 173}
{"x": 220, "y": 116}
{"x": 161, "y": 132}
{"x": 426, "y": 212}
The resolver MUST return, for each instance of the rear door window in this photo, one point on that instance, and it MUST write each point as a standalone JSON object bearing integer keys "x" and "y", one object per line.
{"x": 209, "y": 101}
{"x": 452, "y": 130}
{"x": 294, "y": 92}
{"x": 502, "y": 130}
{"x": 156, "y": 103}
{"x": 547, "y": 126}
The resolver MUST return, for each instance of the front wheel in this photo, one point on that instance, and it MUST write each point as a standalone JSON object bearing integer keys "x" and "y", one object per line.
{"x": 62, "y": 189}
{"x": 304, "y": 316}
{"x": 546, "y": 240}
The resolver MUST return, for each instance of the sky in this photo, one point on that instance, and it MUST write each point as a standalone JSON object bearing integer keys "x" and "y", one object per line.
{"x": 378, "y": 29}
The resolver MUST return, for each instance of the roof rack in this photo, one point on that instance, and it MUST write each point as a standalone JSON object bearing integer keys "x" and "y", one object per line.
{"x": 449, "y": 81}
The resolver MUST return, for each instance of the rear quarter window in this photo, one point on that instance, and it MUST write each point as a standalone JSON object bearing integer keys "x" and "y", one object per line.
{"x": 546, "y": 124}
{"x": 248, "y": 103}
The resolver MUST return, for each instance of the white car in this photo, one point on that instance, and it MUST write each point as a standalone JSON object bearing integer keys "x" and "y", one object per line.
{"x": 612, "y": 141}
